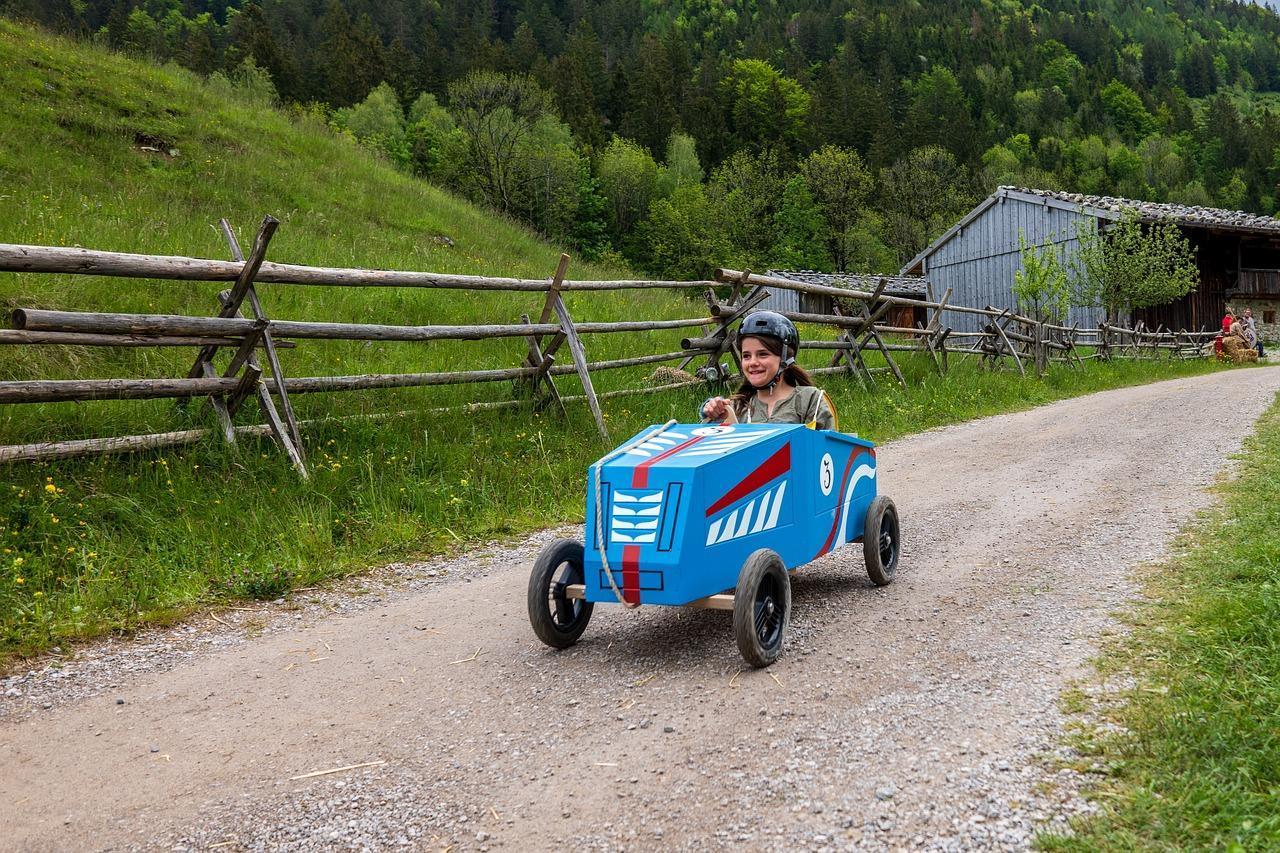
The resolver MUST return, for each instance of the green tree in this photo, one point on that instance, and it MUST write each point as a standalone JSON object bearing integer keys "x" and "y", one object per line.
{"x": 498, "y": 113}
{"x": 767, "y": 110}
{"x": 1133, "y": 265}
{"x": 938, "y": 114}
{"x": 377, "y": 122}
{"x": 1040, "y": 285}
{"x": 681, "y": 167}
{"x": 922, "y": 195}
{"x": 800, "y": 230}
{"x": 1125, "y": 110}
{"x": 628, "y": 179}
{"x": 680, "y": 238}
{"x": 840, "y": 184}
{"x": 747, "y": 189}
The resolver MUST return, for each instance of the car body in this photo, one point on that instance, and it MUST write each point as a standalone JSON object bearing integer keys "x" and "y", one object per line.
{"x": 681, "y": 509}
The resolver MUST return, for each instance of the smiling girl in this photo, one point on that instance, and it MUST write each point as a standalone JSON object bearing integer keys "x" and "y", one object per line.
{"x": 776, "y": 390}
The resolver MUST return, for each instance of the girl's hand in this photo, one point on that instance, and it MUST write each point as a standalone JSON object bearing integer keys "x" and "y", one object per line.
{"x": 719, "y": 409}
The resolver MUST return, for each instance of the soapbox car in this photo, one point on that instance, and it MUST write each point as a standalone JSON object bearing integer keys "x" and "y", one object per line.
{"x": 715, "y": 517}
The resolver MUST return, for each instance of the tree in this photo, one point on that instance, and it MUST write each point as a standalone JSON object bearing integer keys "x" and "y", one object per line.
{"x": 767, "y": 110}
{"x": 682, "y": 167}
{"x": 649, "y": 114}
{"x": 1125, "y": 110}
{"x": 680, "y": 237}
{"x": 747, "y": 190}
{"x": 628, "y": 179}
{"x": 1132, "y": 265}
{"x": 498, "y": 113}
{"x": 800, "y": 230}
{"x": 436, "y": 145}
{"x": 939, "y": 113}
{"x": 840, "y": 185}
{"x": 1041, "y": 284}
{"x": 377, "y": 122}
{"x": 921, "y": 195}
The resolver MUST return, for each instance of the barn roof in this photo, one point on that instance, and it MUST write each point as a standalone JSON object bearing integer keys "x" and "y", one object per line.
{"x": 895, "y": 285}
{"x": 1108, "y": 207}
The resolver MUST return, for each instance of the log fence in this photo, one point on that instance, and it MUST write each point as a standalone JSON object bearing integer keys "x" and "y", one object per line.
{"x": 254, "y": 342}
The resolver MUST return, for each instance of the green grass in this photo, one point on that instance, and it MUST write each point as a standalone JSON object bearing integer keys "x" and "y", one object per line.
{"x": 107, "y": 544}
{"x": 1196, "y": 764}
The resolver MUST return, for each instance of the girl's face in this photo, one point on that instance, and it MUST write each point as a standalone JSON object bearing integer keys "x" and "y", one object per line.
{"x": 759, "y": 365}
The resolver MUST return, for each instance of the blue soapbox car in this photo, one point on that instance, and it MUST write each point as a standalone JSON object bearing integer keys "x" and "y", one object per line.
{"x": 715, "y": 516}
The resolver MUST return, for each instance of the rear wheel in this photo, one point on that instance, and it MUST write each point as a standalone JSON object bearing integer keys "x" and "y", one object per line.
{"x": 761, "y": 607}
{"x": 881, "y": 540}
{"x": 557, "y": 619}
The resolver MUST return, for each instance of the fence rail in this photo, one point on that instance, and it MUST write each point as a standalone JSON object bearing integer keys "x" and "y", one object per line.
{"x": 858, "y": 320}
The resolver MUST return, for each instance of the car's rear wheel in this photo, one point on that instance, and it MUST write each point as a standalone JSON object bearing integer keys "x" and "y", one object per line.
{"x": 881, "y": 541}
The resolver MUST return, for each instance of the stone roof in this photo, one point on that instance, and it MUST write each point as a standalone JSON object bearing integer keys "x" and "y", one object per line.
{"x": 1182, "y": 214}
{"x": 896, "y": 285}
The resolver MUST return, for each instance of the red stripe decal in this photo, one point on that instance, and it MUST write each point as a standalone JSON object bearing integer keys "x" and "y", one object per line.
{"x": 772, "y": 468}
{"x": 631, "y": 573}
{"x": 640, "y": 474}
{"x": 835, "y": 523}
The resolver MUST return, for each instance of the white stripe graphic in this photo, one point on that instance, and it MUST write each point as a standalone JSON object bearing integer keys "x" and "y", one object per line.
{"x": 764, "y": 511}
{"x": 777, "y": 506}
{"x": 746, "y": 521}
{"x": 863, "y": 470}
{"x": 714, "y": 530}
{"x": 728, "y": 527}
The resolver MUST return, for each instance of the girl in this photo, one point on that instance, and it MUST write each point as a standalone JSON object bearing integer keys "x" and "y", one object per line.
{"x": 776, "y": 390}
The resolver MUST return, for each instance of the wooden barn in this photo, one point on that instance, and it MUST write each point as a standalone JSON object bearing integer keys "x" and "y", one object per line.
{"x": 1238, "y": 254}
{"x": 912, "y": 287}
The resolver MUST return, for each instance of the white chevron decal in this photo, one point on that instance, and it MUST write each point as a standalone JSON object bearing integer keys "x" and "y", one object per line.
{"x": 746, "y": 519}
{"x": 634, "y": 514}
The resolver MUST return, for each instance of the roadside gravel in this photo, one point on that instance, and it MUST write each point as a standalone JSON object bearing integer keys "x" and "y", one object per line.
{"x": 922, "y": 715}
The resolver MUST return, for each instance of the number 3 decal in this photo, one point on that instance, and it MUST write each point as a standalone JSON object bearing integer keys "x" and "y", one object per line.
{"x": 827, "y": 474}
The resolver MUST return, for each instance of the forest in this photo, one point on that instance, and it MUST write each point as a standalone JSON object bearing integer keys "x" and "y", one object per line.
{"x": 837, "y": 135}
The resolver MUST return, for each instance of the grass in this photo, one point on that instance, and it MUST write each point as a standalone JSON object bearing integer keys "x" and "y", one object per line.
{"x": 1195, "y": 762}
{"x": 100, "y": 545}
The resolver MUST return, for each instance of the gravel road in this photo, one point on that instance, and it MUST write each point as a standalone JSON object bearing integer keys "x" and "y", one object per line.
{"x": 922, "y": 715}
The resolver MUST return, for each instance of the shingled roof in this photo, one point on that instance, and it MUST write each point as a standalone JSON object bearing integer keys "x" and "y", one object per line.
{"x": 1183, "y": 214}
{"x": 895, "y": 285}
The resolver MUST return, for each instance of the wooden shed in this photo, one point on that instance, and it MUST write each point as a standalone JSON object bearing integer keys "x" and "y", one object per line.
{"x": 1238, "y": 254}
{"x": 912, "y": 287}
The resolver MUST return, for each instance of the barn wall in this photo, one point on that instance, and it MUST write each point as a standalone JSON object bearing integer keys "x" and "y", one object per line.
{"x": 979, "y": 262}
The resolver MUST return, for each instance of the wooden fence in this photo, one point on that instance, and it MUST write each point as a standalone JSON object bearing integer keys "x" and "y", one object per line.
{"x": 254, "y": 342}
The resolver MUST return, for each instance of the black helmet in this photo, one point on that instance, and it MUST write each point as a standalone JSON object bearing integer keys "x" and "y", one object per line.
{"x": 771, "y": 324}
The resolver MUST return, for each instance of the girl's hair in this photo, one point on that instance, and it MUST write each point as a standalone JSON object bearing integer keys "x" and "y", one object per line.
{"x": 794, "y": 375}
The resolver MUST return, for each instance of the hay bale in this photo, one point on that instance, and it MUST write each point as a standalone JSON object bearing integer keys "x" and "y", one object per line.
{"x": 664, "y": 375}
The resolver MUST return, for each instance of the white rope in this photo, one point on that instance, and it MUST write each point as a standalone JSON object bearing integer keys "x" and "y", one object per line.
{"x": 604, "y": 558}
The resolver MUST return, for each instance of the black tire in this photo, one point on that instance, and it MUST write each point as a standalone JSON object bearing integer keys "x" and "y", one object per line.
{"x": 762, "y": 608}
{"x": 558, "y": 621}
{"x": 881, "y": 541}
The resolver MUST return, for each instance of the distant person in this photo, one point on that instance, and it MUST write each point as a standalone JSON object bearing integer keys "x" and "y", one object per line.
{"x": 1251, "y": 331}
{"x": 1227, "y": 320}
{"x": 1236, "y": 346}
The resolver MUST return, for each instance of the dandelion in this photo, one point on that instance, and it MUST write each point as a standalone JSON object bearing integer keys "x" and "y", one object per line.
{"x": 53, "y": 519}
{"x": 18, "y": 561}
{"x": 92, "y": 554}
{"x": 19, "y": 580}
{"x": 71, "y": 549}
{"x": 51, "y": 488}
{"x": 39, "y": 594}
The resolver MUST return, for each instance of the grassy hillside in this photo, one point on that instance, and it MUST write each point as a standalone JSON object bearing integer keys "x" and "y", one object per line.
{"x": 103, "y": 544}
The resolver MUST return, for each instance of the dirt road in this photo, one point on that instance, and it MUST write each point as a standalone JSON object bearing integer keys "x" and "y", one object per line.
{"x": 918, "y": 715}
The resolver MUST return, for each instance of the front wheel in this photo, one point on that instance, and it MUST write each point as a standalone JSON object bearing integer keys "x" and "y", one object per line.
{"x": 761, "y": 607}
{"x": 557, "y": 619}
{"x": 881, "y": 540}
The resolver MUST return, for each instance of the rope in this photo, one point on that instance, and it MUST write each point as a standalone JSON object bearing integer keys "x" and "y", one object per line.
{"x": 604, "y": 558}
